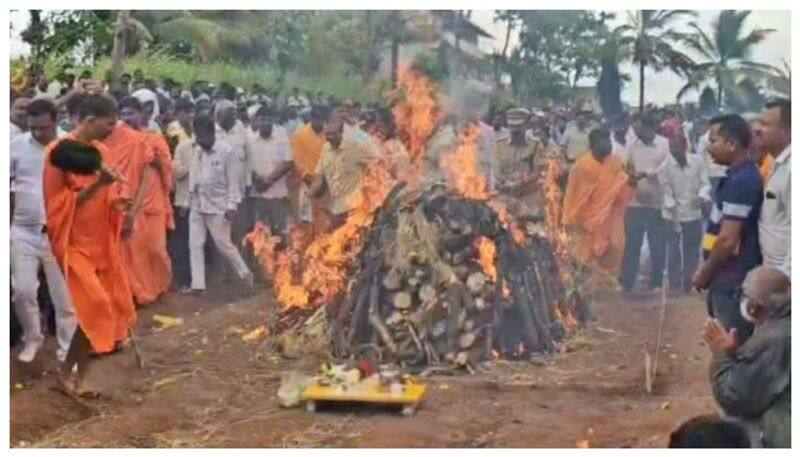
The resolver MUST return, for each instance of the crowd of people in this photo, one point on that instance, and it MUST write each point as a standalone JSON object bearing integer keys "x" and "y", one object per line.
{"x": 643, "y": 180}
{"x": 115, "y": 190}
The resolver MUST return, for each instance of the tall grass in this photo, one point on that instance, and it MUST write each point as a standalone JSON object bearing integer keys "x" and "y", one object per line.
{"x": 160, "y": 65}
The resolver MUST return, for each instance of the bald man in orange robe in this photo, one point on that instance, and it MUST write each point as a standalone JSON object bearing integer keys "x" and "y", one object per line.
{"x": 158, "y": 211}
{"x": 597, "y": 193}
{"x": 131, "y": 156}
{"x": 151, "y": 260}
{"x": 84, "y": 222}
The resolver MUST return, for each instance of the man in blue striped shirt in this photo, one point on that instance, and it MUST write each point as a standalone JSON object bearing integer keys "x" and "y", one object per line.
{"x": 730, "y": 244}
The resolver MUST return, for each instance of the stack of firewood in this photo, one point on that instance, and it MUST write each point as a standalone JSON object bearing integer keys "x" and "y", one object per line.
{"x": 439, "y": 280}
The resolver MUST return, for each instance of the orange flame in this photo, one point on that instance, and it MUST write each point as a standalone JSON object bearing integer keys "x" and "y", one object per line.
{"x": 487, "y": 255}
{"x": 328, "y": 257}
{"x": 555, "y": 227}
{"x": 508, "y": 222}
{"x": 565, "y": 316}
{"x": 462, "y": 167}
{"x": 464, "y": 173}
{"x": 278, "y": 265}
{"x": 416, "y": 112}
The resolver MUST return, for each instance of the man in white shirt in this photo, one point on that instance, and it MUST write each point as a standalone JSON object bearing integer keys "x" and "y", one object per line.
{"x": 647, "y": 154}
{"x": 19, "y": 123}
{"x": 269, "y": 162}
{"x": 775, "y": 222}
{"x": 686, "y": 187}
{"x": 576, "y": 138}
{"x": 30, "y": 247}
{"x": 214, "y": 196}
{"x": 619, "y": 126}
{"x": 232, "y": 131}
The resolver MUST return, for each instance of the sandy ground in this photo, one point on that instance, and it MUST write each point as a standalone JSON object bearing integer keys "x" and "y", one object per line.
{"x": 205, "y": 387}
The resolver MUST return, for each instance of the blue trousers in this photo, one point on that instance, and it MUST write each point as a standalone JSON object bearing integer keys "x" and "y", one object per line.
{"x": 683, "y": 254}
{"x": 638, "y": 222}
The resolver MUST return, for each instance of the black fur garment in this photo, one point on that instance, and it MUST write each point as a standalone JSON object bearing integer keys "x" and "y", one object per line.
{"x": 76, "y": 157}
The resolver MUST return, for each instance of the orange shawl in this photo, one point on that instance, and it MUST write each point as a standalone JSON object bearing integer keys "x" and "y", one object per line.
{"x": 307, "y": 149}
{"x": 594, "y": 203}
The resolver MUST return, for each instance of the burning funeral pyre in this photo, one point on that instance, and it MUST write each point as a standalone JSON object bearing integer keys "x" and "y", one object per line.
{"x": 430, "y": 274}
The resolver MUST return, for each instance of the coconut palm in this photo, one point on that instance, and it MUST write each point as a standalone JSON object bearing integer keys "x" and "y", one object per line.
{"x": 655, "y": 42}
{"x": 236, "y": 34}
{"x": 780, "y": 81}
{"x": 726, "y": 53}
{"x": 613, "y": 48}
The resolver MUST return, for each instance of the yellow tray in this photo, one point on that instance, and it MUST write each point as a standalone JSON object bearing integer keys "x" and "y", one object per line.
{"x": 409, "y": 398}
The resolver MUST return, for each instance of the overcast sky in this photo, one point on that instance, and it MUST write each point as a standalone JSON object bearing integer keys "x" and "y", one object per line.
{"x": 659, "y": 87}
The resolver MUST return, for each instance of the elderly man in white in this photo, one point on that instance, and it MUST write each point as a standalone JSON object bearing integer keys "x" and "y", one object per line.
{"x": 214, "y": 195}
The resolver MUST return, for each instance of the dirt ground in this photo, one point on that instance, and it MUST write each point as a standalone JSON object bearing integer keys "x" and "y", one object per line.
{"x": 204, "y": 386}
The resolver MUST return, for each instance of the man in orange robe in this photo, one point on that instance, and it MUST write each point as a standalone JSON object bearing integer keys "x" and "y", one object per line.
{"x": 597, "y": 193}
{"x": 307, "y": 143}
{"x": 84, "y": 223}
{"x": 131, "y": 156}
{"x": 156, "y": 207}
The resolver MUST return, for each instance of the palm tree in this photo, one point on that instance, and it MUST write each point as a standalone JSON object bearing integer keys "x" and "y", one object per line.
{"x": 231, "y": 34}
{"x": 118, "y": 51}
{"x": 613, "y": 48}
{"x": 654, "y": 42}
{"x": 726, "y": 53}
{"x": 780, "y": 81}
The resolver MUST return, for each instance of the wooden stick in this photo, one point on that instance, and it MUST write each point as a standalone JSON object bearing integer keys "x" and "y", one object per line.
{"x": 653, "y": 370}
{"x": 136, "y": 352}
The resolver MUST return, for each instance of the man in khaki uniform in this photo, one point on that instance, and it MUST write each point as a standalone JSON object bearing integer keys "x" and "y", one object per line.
{"x": 517, "y": 176}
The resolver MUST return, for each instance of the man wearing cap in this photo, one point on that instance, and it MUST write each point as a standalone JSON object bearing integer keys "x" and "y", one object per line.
{"x": 515, "y": 163}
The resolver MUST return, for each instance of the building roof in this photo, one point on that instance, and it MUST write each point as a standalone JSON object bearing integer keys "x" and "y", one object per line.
{"x": 450, "y": 19}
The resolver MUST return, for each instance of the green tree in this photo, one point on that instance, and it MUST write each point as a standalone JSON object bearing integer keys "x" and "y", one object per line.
{"x": 779, "y": 80}
{"x": 726, "y": 53}
{"x": 655, "y": 43}
{"x": 35, "y": 33}
{"x": 744, "y": 96}
{"x": 86, "y": 34}
{"x": 707, "y": 103}
{"x": 500, "y": 60}
{"x": 613, "y": 48}
{"x": 556, "y": 49}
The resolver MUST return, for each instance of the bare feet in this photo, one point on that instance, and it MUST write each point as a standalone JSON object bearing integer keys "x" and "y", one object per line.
{"x": 66, "y": 386}
{"x": 71, "y": 389}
